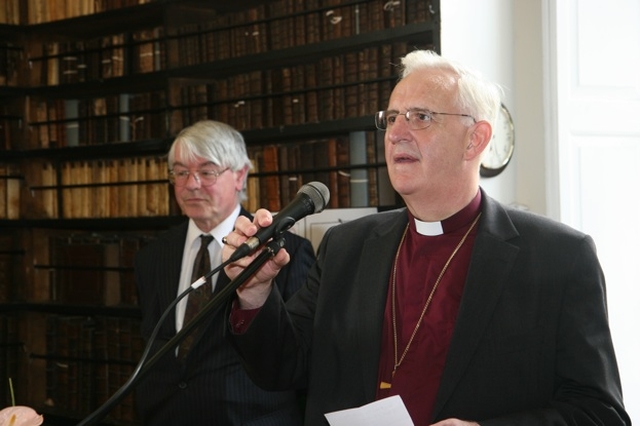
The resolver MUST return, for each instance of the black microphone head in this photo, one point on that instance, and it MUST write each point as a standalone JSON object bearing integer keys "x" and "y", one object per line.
{"x": 318, "y": 193}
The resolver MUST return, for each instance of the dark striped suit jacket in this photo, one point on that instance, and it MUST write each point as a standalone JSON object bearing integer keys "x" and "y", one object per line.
{"x": 209, "y": 387}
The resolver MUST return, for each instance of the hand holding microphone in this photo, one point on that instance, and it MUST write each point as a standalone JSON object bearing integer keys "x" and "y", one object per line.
{"x": 244, "y": 240}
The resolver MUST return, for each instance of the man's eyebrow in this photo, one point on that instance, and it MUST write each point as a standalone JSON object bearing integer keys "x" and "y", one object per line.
{"x": 203, "y": 164}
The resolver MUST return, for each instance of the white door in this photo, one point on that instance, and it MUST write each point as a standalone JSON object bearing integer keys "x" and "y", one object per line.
{"x": 594, "y": 162}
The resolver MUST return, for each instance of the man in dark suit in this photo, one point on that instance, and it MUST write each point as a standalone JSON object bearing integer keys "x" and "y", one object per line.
{"x": 472, "y": 312}
{"x": 205, "y": 384}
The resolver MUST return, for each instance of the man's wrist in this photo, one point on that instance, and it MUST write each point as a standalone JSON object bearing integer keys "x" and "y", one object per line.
{"x": 253, "y": 298}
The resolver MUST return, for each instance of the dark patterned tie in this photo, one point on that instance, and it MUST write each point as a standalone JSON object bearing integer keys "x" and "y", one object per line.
{"x": 199, "y": 297}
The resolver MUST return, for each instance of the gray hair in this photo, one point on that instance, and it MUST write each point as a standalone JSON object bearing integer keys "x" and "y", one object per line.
{"x": 478, "y": 97}
{"x": 215, "y": 141}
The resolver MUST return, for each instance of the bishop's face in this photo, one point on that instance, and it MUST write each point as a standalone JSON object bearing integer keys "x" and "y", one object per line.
{"x": 428, "y": 163}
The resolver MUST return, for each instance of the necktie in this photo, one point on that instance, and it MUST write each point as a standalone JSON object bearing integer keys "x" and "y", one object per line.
{"x": 199, "y": 297}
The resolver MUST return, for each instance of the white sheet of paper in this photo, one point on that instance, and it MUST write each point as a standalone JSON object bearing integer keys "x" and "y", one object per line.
{"x": 384, "y": 412}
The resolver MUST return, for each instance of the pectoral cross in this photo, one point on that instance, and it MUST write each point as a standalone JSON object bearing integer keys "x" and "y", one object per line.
{"x": 387, "y": 385}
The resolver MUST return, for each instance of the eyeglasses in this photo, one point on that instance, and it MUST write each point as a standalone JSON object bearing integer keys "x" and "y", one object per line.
{"x": 417, "y": 119}
{"x": 206, "y": 177}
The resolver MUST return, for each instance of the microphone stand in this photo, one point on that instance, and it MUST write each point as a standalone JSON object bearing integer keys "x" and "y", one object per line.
{"x": 270, "y": 250}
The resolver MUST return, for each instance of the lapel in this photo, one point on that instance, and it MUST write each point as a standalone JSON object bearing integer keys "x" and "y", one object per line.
{"x": 170, "y": 264}
{"x": 375, "y": 263}
{"x": 492, "y": 259}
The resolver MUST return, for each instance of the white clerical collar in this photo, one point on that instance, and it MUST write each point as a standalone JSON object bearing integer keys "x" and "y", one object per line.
{"x": 429, "y": 228}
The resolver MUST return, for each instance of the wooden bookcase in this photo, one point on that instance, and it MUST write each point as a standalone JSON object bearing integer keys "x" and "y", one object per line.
{"x": 91, "y": 95}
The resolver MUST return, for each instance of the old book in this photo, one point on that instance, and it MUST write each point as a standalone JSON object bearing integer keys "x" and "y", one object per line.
{"x": 111, "y": 264}
{"x": 283, "y": 177}
{"x": 78, "y": 274}
{"x": 338, "y": 90}
{"x": 73, "y": 200}
{"x": 129, "y": 247}
{"x": 311, "y": 95}
{"x": 321, "y": 163}
{"x": 256, "y": 103}
{"x": 86, "y": 198}
{"x": 114, "y": 188}
{"x": 252, "y": 203}
{"x": 288, "y": 97}
{"x": 306, "y": 161}
{"x": 101, "y": 191}
{"x": 152, "y": 188}
{"x": 325, "y": 94}
{"x": 294, "y": 178}
{"x": 119, "y": 62}
{"x": 13, "y": 182}
{"x": 71, "y": 123}
{"x": 332, "y": 20}
{"x": 332, "y": 165}
{"x": 269, "y": 166}
{"x": 352, "y": 78}
{"x": 359, "y": 183}
{"x": 3, "y": 191}
{"x": 143, "y": 48}
{"x": 6, "y": 276}
{"x": 41, "y": 112}
{"x": 312, "y": 22}
{"x": 53, "y": 64}
{"x": 50, "y": 194}
{"x": 132, "y": 186}
{"x": 344, "y": 172}
{"x": 298, "y": 97}
{"x": 69, "y": 63}
{"x": 166, "y": 205}
{"x": 375, "y": 153}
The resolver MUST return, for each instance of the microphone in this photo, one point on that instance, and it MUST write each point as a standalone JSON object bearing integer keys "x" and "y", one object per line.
{"x": 310, "y": 198}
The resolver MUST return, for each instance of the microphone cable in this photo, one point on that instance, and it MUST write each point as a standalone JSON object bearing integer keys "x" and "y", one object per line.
{"x": 124, "y": 389}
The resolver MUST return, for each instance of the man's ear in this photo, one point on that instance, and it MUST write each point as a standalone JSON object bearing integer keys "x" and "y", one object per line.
{"x": 478, "y": 137}
{"x": 241, "y": 177}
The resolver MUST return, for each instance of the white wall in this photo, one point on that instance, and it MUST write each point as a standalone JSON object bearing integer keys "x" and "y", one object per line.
{"x": 557, "y": 169}
{"x": 479, "y": 34}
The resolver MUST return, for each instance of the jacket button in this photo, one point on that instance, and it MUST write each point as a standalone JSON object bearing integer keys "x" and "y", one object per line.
{"x": 182, "y": 385}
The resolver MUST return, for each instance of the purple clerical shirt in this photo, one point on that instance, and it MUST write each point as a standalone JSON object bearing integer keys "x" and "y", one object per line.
{"x": 421, "y": 259}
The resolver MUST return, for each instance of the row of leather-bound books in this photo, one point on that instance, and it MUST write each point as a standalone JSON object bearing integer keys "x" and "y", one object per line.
{"x": 347, "y": 85}
{"x": 280, "y": 25}
{"x": 94, "y": 357}
{"x": 349, "y": 164}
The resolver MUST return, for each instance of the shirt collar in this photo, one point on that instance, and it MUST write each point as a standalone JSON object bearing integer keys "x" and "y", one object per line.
{"x": 461, "y": 218}
{"x": 223, "y": 229}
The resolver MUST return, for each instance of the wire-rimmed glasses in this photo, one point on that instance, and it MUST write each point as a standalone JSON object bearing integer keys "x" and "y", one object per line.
{"x": 417, "y": 119}
{"x": 206, "y": 177}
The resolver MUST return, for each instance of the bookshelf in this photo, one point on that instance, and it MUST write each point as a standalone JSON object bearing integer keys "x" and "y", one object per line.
{"x": 91, "y": 95}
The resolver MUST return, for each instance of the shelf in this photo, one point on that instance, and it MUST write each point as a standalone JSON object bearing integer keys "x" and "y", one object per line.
{"x": 161, "y": 146}
{"x": 418, "y": 32}
{"x": 73, "y": 310}
{"x": 107, "y": 224}
{"x": 11, "y": 32}
{"x": 147, "y": 15}
{"x": 303, "y": 131}
{"x": 113, "y": 150}
{"x": 134, "y": 83}
{"x": 11, "y": 92}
